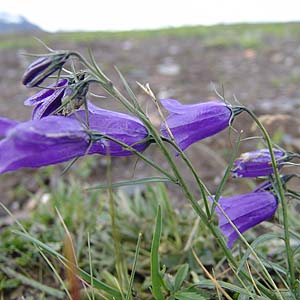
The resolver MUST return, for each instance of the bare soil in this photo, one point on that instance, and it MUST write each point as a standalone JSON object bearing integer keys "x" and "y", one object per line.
{"x": 264, "y": 78}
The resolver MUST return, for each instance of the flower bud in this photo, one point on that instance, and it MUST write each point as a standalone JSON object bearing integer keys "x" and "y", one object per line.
{"x": 43, "y": 67}
{"x": 258, "y": 163}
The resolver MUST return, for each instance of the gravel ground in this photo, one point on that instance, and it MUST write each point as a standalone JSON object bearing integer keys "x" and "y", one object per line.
{"x": 264, "y": 78}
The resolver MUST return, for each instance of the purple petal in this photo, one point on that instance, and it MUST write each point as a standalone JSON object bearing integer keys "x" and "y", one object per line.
{"x": 54, "y": 88}
{"x": 43, "y": 67}
{"x": 6, "y": 125}
{"x": 175, "y": 106}
{"x": 245, "y": 211}
{"x": 123, "y": 127}
{"x": 257, "y": 163}
{"x": 55, "y": 139}
{"x": 191, "y": 123}
{"x": 42, "y": 142}
{"x": 48, "y": 106}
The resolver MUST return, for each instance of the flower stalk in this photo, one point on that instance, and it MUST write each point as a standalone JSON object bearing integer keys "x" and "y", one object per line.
{"x": 282, "y": 198}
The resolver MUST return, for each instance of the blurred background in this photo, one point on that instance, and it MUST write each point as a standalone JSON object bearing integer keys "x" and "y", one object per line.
{"x": 246, "y": 50}
{"x": 193, "y": 51}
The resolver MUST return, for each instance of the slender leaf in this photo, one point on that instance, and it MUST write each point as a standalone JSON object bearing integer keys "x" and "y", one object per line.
{"x": 231, "y": 287}
{"x": 84, "y": 275}
{"x": 183, "y": 295}
{"x": 259, "y": 240}
{"x": 132, "y": 182}
{"x": 155, "y": 266}
{"x": 129, "y": 91}
{"x": 137, "y": 251}
{"x": 33, "y": 283}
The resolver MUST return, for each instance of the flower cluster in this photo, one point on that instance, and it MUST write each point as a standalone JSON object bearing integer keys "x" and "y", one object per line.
{"x": 60, "y": 130}
{"x": 245, "y": 211}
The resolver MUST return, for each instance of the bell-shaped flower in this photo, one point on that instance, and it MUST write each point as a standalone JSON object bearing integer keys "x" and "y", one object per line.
{"x": 191, "y": 123}
{"x": 55, "y": 139}
{"x": 48, "y": 100}
{"x": 258, "y": 163}
{"x": 43, "y": 67}
{"x": 244, "y": 211}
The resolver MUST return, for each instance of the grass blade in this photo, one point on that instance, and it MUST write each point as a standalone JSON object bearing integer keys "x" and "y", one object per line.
{"x": 83, "y": 275}
{"x": 131, "y": 182}
{"x": 155, "y": 266}
{"x": 137, "y": 251}
{"x": 33, "y": 283}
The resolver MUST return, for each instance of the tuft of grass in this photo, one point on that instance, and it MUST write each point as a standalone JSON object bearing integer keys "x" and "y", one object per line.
{"x": 86, "y": 215}
{"x": 33, "y": 259}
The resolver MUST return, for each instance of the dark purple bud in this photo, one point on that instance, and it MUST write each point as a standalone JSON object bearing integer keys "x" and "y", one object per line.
{"x": 257, "y": 163}
{"x": 43, "y": 67}
{"x": 191, "y": 123}
{"x": 244, "y": 211}
{"x": 56, "y": 139}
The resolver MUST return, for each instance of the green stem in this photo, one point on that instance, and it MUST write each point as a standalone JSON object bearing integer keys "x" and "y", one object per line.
{"x": 120, "y": 263}
{"x": 203, "y": 190}
{"x": 113, "y": 91}
{"x": 282, "y": 198}
{"x": 97, "y": 136}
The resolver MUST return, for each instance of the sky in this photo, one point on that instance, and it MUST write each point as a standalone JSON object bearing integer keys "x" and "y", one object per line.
{"x": 91, "y": 15}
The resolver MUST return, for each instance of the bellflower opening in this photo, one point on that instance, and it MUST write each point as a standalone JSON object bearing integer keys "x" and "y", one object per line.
{"x": 258, "y": 163}
{"x": 43, "y": 67}
{"x": 245, "y": 211}
{"x": 56, "y": 139}
{"x": 47, "y": 100}
{"x": 191, "y": 123}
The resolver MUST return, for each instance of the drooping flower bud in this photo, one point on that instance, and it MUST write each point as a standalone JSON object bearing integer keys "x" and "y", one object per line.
{"x": 258, "y": 163}
{"x": 43, "y": 67}
{"x": 191, "y": 123}
{"x": 245, "y": 211}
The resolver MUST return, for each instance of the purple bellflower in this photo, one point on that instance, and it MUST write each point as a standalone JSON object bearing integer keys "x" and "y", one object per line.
{"x": 245, "y": 211}
{"x": 43, "y": 67}
{"x": 55, "y": 139}
{"x": 47, "y": 100}
{"x": 258, "y": 163}
{"x": 191, "y": 123}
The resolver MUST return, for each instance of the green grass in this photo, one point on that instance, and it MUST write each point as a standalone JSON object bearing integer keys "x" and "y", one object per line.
{"x": 32, "y": 249}
{"x": 241, "y": 35}
{"x": 87, "y": 214}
